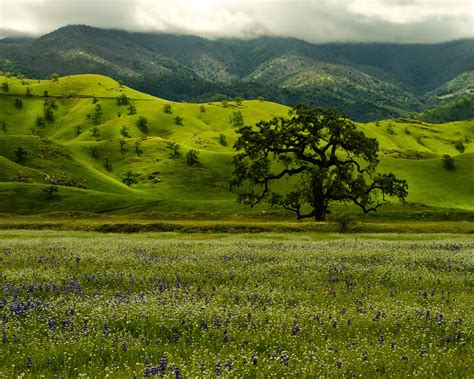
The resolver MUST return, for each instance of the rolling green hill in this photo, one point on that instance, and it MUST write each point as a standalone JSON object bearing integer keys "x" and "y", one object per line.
{"x": 366, "y": 81}
{"x": 87, "y": 154}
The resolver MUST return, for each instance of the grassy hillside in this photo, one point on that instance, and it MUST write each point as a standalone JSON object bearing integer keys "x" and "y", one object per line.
{"x": 87, "y": 159}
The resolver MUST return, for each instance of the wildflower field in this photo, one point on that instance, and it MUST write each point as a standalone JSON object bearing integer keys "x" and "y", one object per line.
{"x": 92, "y": 305}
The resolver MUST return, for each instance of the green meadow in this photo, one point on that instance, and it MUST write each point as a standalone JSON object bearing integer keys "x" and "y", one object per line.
{"x": 87, "y": 157}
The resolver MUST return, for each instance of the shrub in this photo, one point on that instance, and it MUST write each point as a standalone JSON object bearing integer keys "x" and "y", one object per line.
{"x": 123, "y": 144}
{"x": 142, "y": 124}
{"x": 178, "y": 120}
{"x": 18, "y": 103}
{"x": 237, "y": 119}
{"x": 459, "y": 146}
{"x": 21, "y": 155}
{"x": 125, "y": 132}
{"x": 129, "y": 178}
{"x": 94, "y": 152}
{"x": 167, "y": 109}
{"x": 138, "y": 148}
{"x": 49, "y": 191}
{"x": 202, "y": 109}
{"x": 40, "y": 122}
{"x": 174, "y": 147}
{"x": 78, "y": 130}
{"x": 3, "y": 126}
{"x": 238, "y": 101}
{"x": 54, "y": 77}
{"x": 132, "y": 109}
{"x": 192, "y": 157}
{"x": 97, "y": 115}
{"x": 122, "y": 99}
{"x": 222, "y": 140}
{"x": 28, "y": 92}
{"x": 95, "y": 132}
{"x": 448, "y": 163}
{"x": 5, "y": 87}
{"x": 108, "y": 165}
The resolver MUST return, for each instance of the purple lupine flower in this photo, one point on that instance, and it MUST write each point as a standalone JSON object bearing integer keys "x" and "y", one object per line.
{"x": 284, "y": 358}
{"x": 381, "y": 338}
{"x": 339, "y": 363}
{"x": 162, "y": 365}
{"x": 105, "y": 329}
{"x": 228, "y": 365}
{"x": 218, "y": 368}
{"x": 51, "y": 323}
{"x": 177, "y": 373}
{"x": 254, "y": 360}
{"x": 295, "y": 330}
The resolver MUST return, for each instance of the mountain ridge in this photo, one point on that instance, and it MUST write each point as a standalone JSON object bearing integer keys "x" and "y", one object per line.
{"x": 191, "y": 68}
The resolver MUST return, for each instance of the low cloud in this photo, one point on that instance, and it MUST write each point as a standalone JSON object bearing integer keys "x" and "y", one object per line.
{"x": 314, "y": 21}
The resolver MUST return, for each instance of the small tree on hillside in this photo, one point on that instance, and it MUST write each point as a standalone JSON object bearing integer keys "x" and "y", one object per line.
{"x": 237, "y": 119}
{"x": 95, "y": 132}
{"x": 192, "y": 157}
{"x": 138, "y": 148}
{"x": 49, "y": 191}
{"x": 222, "y": 139}
{"x": 322, "y": 154}
{"x": 129, "y": 178}
{"x": 142, "y": 124}
{"x": 202, "y": 109}
{"x": 21, "y": 155}
{"x": 238, "y": 101}
{"x": 123, "y": 144}
{"x": 178, "y": 120}
{"x": 18, "y": 103}
{"x": 448, "y": 163}
{"x": 125, "y": 132}
{"x": 28, "y": 92}
{"x": 132, "y": 109}
{"x": 122, "y": 99}
{"x": 55, "y": 77}
{"x": 167, "y": 109}
{"x": 174, "y": 149}
{"x": 5, "y": 87}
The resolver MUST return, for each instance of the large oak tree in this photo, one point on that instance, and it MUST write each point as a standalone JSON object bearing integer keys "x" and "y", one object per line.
{"x": 323, "y": 156}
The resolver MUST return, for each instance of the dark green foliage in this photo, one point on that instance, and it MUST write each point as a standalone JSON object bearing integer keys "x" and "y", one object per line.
{"x": 94, "y": 152}
{"x": 175, "y": 149}
{"x": 40, "y": 121}
{"x": 96, "y": 116}
{"x": 21, "y": 155}
{"x": 123, "y": 145}
{"x": 3, "y": 126}
{"x": 138, "y": 148}
{"x": 132, "y": 109}
{"x": 222, "y": 139}
{"x": 448, "y": 163}
{"x": 142, "y": 124}
{"x": 94, "y": 100}
{"x": 78, "y": 130}
{"x": 261, "y": 98}
{"x": 5, "y": 87}
{"x": 108, "y": 164}
{"x": 45, "y": 94}
{"x": 129, "y": 178}
{"x": 95, "y": 132}
{"x": 460, "y": 109}
{"x": 178, "y": 120}
{"x": 459, "y": 146}
{"x": 54, "y": 77}
{"x": 28, "y": 92}
{"x": 18, "y": 103}
{"x": 237, "y": 119}
{"x": 125, "y": 132}
{"x": 323, "y": 154}
{"x": 49, "y": 191}
{"x": 120, "y": 83}
{"x": 167, "y": 109}
{"x": 48, "y": 108}
{"x": 122, "y": 99}
{"x": 238, "y": 101}
{"x": 192, "y": 157}
{"x": 202, "y": 109}
{"x": 390, "y": 130}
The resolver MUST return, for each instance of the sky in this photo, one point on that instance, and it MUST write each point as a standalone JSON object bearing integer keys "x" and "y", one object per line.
{"x": 403, "y": 21}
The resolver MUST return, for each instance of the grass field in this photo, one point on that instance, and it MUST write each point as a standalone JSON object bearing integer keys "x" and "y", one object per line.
{"x": 65, "y": 151}
{"x": 272, "y": 305}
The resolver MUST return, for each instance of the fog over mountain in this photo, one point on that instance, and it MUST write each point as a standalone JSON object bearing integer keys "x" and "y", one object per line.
{"x": 404, "y": 21}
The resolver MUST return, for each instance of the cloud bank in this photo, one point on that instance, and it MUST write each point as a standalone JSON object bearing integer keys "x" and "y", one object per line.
{"x": 405, "y": 21}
